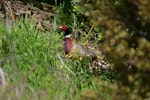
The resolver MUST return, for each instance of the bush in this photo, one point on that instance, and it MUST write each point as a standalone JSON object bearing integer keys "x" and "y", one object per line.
{"x": 125, "y": 43}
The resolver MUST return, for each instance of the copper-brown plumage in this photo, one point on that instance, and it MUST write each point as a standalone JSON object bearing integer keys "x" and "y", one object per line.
{"x": 71, "y": 46}
{"x": 78, "y": 51}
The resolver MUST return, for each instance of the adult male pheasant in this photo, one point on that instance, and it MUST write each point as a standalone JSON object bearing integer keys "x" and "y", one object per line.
{"x": 75, "y": 50}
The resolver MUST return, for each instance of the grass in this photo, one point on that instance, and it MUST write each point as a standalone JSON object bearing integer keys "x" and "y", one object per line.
{"x": 35, "y": 67}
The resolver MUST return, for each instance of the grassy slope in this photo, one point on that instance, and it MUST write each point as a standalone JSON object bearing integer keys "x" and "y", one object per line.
{"x": 34, "y": 69}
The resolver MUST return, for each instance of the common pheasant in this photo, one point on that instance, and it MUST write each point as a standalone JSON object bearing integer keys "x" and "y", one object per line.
{"x": 75, "y": 50}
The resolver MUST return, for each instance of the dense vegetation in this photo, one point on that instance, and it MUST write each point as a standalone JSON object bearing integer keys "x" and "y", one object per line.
{"x": 34, "y": 62}
{"x": 126, "y": 42}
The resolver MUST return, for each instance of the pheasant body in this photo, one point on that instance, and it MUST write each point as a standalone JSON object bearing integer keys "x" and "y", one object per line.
{"x": 68, "y": 45}
{"x": 74, "y": 50}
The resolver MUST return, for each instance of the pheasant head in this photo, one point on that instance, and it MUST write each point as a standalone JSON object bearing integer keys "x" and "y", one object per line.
{"x": 68, "y": 40}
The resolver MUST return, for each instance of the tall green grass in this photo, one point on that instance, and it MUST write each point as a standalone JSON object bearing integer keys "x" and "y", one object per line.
{"x": 35, "y": 67}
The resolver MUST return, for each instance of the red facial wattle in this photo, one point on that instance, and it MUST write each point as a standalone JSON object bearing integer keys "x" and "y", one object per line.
{"x": 64, "y": 28}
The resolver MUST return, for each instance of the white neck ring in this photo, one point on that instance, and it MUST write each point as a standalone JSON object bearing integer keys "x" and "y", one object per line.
{"x": 67, "y": 36}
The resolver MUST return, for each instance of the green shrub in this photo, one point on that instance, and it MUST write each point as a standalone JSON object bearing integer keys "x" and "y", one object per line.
{"x": 125, "y": 43}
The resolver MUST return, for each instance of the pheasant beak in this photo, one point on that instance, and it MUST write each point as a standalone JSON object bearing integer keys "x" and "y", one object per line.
{"x": 60, "y": 27}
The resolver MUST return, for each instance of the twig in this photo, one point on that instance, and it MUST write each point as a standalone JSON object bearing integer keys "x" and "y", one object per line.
{"x": 60, "y": 59}
{"x": 65, "y": 65}
{"x": 90, "y": 30}
{"x": 2, "y": 75}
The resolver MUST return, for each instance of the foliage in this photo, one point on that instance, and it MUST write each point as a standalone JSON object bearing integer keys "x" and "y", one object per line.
{"x": 125, "y": 42}
{"x": 35, "y": 66}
